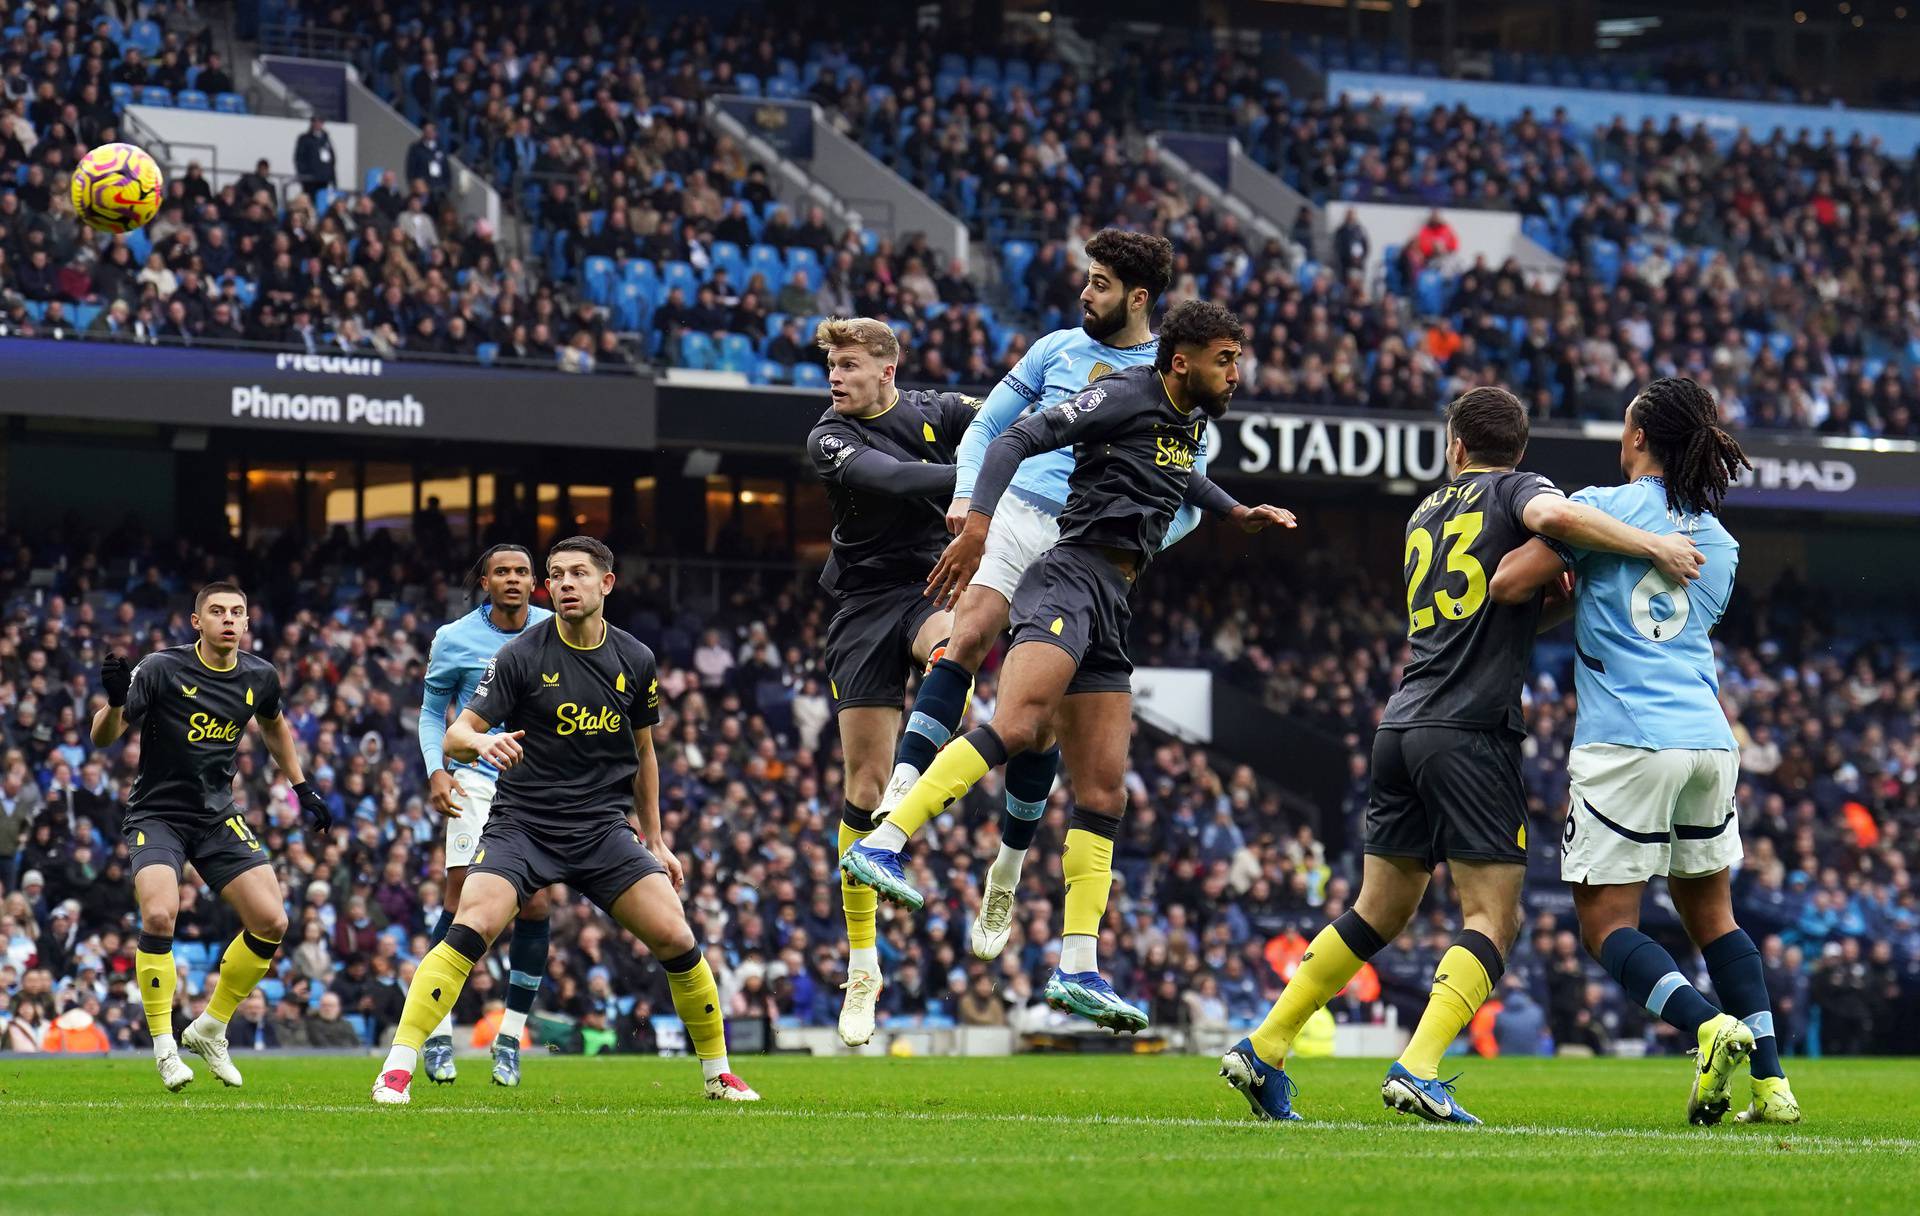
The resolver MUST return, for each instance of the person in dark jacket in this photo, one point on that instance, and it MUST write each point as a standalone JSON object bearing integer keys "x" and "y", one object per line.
{"x": 313, "y": 158}
{"x": 427, "y": 162}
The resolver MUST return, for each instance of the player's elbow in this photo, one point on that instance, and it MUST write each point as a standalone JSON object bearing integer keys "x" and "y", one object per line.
{"x": 1508, "y": 587}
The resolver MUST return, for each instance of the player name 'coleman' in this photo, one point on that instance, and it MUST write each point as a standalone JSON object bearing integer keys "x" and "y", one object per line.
{"x": 355, "y": 409}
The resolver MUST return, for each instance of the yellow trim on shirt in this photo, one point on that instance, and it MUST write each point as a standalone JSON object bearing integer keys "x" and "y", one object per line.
{"x": 597, "y": 645}
{"x": 211, "y": 667}
{"x": 1170, "y": 401}
{"x": 882, "y": 413}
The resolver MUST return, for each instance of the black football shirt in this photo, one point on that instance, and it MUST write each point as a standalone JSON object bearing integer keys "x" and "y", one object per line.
{"x": 879, "y": 539}
{"x": 191, "y": 717}
{"x": 579, "y": 709}
{"x": 1470, "y": 654}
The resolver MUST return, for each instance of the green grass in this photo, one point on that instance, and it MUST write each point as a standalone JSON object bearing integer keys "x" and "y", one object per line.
{"x": 1097, "y": 1134}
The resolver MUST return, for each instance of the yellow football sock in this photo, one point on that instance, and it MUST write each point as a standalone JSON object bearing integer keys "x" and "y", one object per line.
{"x": 158, "y": 976}
{"x": 857, "y": 900}
{"x": 952, "y": 773}
{"x": 1325, "y": 969}
{"x": 436, "y": 986}
{"x": 242, "y": 967}
{"x": 1087, "y": 864}
{"x": 696, "y": 998}
{"x": 1460, "y": 983}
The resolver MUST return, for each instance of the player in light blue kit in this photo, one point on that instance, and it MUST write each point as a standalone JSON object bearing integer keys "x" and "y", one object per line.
{"x": 462, "y": 650}
{"x": 1654, "y": 763}
{"x": 1126, "y": 274}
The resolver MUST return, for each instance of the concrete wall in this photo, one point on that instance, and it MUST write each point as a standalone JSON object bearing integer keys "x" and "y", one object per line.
{"x": 889, "y": 204}
{"x": 228, "y": 145}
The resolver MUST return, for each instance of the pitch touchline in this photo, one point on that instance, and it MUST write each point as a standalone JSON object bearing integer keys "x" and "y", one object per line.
{"x": 1754, "y": 1138}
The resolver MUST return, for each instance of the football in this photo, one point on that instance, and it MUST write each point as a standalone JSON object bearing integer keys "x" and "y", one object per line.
{"x": 116, "y": 188}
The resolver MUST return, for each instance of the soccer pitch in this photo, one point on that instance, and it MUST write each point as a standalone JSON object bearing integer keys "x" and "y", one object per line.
{"x": 1102, "y": 1134}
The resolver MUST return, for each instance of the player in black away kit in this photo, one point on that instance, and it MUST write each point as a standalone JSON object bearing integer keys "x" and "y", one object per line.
{"x": 191, "y": 703}
{"x": 886, "y": 455}
{"x": 578, "y": 699}
{"x": 1136, "y": 436}
{"x": 1446, "y": 759}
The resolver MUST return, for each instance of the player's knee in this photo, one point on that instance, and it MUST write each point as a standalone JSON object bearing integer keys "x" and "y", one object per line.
{"x": 969, "y": 644}
{"x": 865, "y": 785}
{"x": 1018, "y": 729}
{"x": 1108, "y": 801}
{"x": 270, "y": 926}
{"x": 157, "y": 920}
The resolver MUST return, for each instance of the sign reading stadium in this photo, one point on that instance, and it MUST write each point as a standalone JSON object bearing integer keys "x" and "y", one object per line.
{"x": 336, "y": 394}
{"x": 1295, "y": 445}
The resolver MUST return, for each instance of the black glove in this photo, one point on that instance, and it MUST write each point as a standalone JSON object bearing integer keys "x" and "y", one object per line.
{"x": 116, "y": 676}
{"x": 314, "y": 807}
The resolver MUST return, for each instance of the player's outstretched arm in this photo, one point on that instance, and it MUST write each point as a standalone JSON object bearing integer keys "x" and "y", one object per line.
{"x": 1059, "y": 427}
{"x": 1000, "y": 410}
{"x": 1586, "y": 527}
{"x": 277, "y": 734}
{"x": 468, "y": 741}
{"x": 878, "y": 473}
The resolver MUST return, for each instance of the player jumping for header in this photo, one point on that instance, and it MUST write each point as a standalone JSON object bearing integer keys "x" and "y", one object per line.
{"x": 1139, "y": 433}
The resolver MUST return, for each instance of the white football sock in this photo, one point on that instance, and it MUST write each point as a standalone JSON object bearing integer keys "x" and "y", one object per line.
{"x": 888, "y": 837}
{"x": 863, "y": 958}
{"x": 402, "y": 1058}
{"x": 512, "y": 1022}
{"x": 207, "y": 1022}
{"x": 1079, "y": 952}
{"x": 709, "y": 1069}
{"x": 163, "y": 1045}
{"x": 445, "y": 1029}
{"x": 1005, "y": 871}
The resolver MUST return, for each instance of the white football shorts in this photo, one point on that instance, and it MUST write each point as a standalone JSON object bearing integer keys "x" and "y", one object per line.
{"x": 463, "y": 830}
{"x": 1019, "y": 534}
{"x": 1636, "y": 813}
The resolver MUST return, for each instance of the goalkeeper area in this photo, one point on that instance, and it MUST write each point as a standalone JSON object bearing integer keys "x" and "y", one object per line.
{"x": 1151, "y": 1135}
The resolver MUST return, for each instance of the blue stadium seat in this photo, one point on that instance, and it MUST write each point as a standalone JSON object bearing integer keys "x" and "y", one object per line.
{"x": 801, "y": 260}
{"x": 154, "y": 95}
{"x": 192, "y": 99}
{"x": 122, "y": 94}
{"x": 372, "y": 180}
{"x": 598, "y": 272}
{"x": 736, "y": 354}
{"x": 767, "y": 260}
{"x": 727, "y": 256}
{"x": 632, "y": 306}
{"x": 362, "y": 1025}
{"x": 809, "y": 375}
{"x": 769, "y": 372}
{"x": 681, "y": 275}
{"x": 696, "y": 351}
{"x": 640, "y": 270}
{"x": 231, "y": 103}
{"x": 487, "y": 352}
{"x": 774, "y": 321}
{"x": 146, "y": 35}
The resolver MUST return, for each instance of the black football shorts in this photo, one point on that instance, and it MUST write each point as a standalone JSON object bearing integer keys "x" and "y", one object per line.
{"x": 1076, "y": 598}
{"x": 870, "y": 644}
{"x": 219, "y": 852}
{"x": 601, "y": 866}
{"x": 1444, "y": 792}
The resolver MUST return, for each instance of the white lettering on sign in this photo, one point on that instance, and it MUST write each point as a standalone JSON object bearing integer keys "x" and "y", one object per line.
{"x": 252, "y": 401}
{"x": 1342, "y": 447}
{"x": 331, "y": 365}
{"x": 1822, "y": 476}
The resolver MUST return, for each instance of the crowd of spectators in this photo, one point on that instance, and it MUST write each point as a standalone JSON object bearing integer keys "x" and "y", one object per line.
{"x": 1220, "y": 881}
{"x": 251, "y": 257}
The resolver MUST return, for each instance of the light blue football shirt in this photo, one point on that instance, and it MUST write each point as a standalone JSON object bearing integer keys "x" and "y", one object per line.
{"x": 1644, "y": 672}
{"x": 462, "y": 648}
{"x": 1053, "y": 369}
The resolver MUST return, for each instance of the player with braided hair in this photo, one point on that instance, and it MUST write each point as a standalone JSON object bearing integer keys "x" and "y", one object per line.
{"x": 1654, "y": 763}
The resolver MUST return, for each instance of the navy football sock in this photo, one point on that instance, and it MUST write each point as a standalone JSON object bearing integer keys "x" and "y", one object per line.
{"x": 1651, "y": 977}
{"x": 937, "y": 709}
{"x": 1029, "y": 781}
{"x": 1740, "y": 980}
{"x": 527, "y": 960}
{"x": 441, "y": 924}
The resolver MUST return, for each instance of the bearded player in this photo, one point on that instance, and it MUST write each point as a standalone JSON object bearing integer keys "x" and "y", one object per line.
{"x": 1137, "y": 435}
{"x": 1126, "y": 274}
